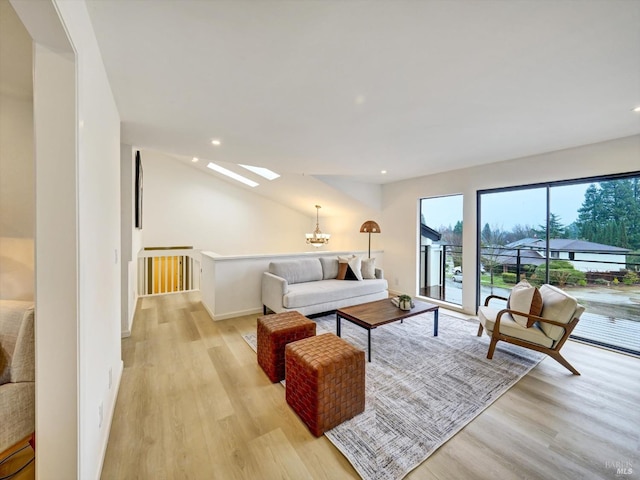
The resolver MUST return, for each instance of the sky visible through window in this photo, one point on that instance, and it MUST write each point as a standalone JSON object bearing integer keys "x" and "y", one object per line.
{"x": 507, "y": 209}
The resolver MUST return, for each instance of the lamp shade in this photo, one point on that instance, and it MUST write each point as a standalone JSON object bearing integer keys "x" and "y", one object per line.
{"x": 370, "y": 227}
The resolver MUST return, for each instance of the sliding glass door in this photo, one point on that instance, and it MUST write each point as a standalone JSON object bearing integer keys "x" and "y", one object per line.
{"x": 582, "y": 236}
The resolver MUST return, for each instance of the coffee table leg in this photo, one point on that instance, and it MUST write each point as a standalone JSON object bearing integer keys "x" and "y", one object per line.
{"x": 435, "y": 323}
{"x": 337, "y": 324}
{"x": 369, "y": 344}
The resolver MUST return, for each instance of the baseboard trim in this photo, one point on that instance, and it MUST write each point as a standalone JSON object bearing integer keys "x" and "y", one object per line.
{"x": 239, "y": 313}
{"x": 112, "y": 410}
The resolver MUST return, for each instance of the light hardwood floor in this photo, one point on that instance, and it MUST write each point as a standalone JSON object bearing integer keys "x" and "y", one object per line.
{"x": 193, "y": 403}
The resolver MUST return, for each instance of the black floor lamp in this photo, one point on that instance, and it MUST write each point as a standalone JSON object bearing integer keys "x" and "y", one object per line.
{"x": 370, "y": 227}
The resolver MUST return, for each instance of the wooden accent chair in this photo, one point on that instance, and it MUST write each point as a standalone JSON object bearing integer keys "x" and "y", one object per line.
{"x": 550, "y": 330}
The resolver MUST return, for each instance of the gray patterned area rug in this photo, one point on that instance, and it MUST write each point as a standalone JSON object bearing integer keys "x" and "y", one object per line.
{"x": 420, "y": 389}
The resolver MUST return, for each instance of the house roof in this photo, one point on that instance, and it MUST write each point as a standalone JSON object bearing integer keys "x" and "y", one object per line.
{"x": 568, "y": 245}
{"x": 430, "y": 233}
{"x": 506, "y": 256}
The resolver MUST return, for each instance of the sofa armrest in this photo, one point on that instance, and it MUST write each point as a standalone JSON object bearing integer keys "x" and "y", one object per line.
{"x": 273, "y": 289}
{"x": 379, "y": 273}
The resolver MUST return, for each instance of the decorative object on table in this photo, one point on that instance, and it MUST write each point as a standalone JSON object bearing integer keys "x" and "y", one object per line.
{"x": 403, "y": 302}
{"x": 370, "y": 227}
{"x": 317, "y": 238}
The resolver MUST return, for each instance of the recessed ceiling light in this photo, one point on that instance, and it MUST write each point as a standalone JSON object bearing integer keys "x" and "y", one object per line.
{"x": 216, "y": 142}
{"x": 383, "y": 171}
{"x": 194, "y": 159}
{"x": 230, "y": 174}
{"x": 263, "y": 172}
{"x": 637, "y": 109}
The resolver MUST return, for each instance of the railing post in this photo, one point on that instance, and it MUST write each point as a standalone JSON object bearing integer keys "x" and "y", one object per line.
{"x": 443, "y": 281}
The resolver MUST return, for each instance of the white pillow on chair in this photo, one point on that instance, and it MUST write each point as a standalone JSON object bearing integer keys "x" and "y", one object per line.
{"x": 525, "y": 298}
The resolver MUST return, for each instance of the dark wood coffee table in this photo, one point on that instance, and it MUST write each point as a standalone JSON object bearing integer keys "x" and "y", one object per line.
{"x": 375, "y": 314}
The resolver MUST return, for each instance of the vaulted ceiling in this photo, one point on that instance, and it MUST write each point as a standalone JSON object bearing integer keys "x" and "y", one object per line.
{"x": 351, "y": 88}
{"x": 339, "y": 91}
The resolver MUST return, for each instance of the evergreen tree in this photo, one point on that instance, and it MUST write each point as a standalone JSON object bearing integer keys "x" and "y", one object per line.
{"x": 610, "y": 213}
{"x": 556, "y": 229}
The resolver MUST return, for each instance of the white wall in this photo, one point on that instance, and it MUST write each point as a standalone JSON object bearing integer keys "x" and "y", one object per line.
{"x": 401, "y": 201}
{"x": 17, "y": 197}
{"x": 57, "y": 293}
{"x": 99, "y": 241}
{"x": 78, "y": 323}
{"x": 183, "y": 206}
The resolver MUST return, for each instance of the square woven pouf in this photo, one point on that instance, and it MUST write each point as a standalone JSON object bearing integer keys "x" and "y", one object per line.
{"x": 325, "y": 381}
{"x": 274, "y": 332}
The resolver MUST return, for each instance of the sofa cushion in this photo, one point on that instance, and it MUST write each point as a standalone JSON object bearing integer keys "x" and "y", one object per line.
{"x": 304, "y": 294}
{"x": 508, "y": 326}
{"x": 558, "y": 305}
{"x": 526, "y": 299}
{"x": 297, "y": 271}
{"x": 329, "y": 267}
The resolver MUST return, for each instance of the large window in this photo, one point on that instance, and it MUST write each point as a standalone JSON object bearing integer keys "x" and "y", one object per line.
{"x": 582, "y": 236}
{"x": 441, "y": 248}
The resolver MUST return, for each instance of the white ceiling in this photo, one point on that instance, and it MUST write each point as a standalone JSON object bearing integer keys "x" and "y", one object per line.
{"x": 353, "y": 87}
{"x": 345, "y": 89}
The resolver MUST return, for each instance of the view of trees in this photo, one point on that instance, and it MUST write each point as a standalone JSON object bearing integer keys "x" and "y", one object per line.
{"x": 610, "y": 213}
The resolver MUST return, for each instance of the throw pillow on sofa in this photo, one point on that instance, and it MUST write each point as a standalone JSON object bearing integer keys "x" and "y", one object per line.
{"x": 343, "y": 265}
{"x": 527, "y": 299}
{"x": 354, "y": 268}
{"x": 369, "y": 268}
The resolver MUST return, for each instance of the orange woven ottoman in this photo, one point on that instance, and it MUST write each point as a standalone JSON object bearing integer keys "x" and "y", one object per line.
{"x": 274, "y": 332}
{"x": 324, "y": 381}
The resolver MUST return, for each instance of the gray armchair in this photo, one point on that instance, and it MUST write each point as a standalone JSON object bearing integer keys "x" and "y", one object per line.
{"x": 17, "y": 375}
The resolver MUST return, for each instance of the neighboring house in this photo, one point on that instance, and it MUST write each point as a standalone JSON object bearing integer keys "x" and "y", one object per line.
{"x": 585, "y": 256}
{"x": 430, "y": 256}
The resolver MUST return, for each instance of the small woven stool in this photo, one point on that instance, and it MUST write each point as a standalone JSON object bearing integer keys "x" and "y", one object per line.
{"x": 325, "y": 381}
{"x": 274, "y": 332}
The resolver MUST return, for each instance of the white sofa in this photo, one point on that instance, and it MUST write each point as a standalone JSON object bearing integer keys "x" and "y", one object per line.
{"x": 310, "y": 286}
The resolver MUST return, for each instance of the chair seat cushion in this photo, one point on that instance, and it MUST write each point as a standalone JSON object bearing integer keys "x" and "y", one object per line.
{"x": 509, "y": 327}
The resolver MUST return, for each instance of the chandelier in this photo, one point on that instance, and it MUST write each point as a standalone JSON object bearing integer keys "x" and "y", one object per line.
{"x": 317, "y": 238}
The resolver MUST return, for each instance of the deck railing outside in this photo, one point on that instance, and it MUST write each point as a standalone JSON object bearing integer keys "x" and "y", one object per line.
{"x": 609, "y": 289}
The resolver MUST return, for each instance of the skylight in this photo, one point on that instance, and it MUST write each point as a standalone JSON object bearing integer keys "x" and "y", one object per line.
{"x": 263, "y": 172}
{"x": 231, "y": 174}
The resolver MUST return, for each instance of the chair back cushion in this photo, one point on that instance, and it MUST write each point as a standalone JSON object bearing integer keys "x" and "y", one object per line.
{"x": 557, "y": 305}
